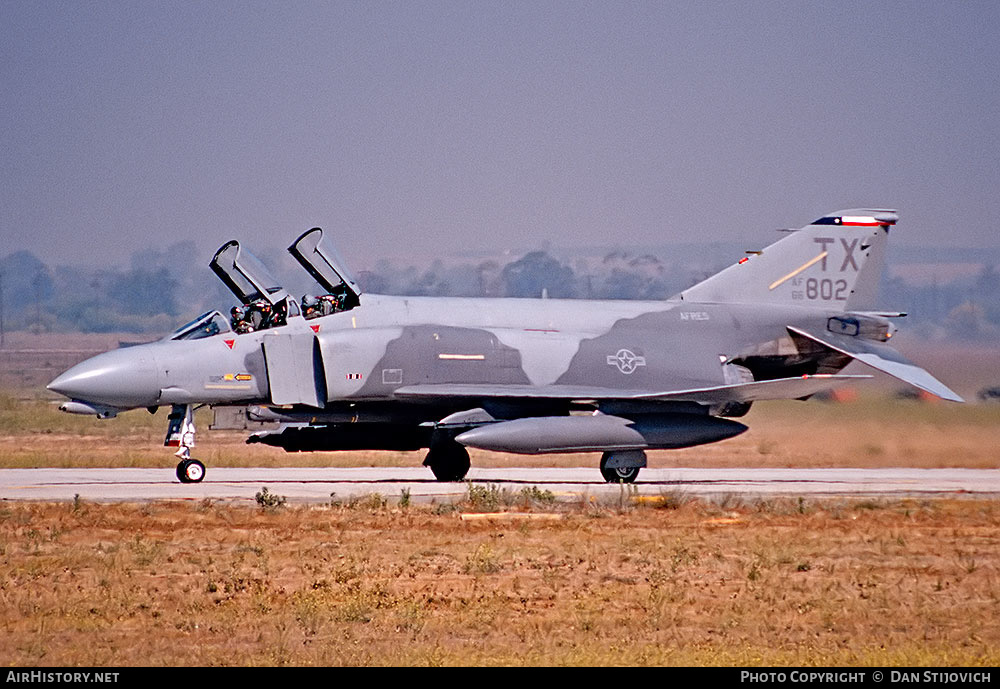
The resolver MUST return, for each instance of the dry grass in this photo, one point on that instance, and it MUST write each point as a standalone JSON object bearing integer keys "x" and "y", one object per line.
{"x": 775, "y": 582}
{"x": 873, "y": 431}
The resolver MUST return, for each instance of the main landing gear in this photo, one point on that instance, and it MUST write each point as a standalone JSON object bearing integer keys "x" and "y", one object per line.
{"x": 623, "y": 466}
{"x": 448, "y": 460}
{"x": 180, "y": 434}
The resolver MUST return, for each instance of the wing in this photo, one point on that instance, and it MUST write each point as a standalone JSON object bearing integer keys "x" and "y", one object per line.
{"x": 781, "y": 388}
{"x": 881, "y": 357}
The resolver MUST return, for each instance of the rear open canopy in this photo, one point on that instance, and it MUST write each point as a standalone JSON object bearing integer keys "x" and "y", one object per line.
{"x": 326, "y": 267}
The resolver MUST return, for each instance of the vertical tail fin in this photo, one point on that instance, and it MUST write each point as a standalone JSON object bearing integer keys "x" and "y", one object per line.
{"x": 835, "y": 262}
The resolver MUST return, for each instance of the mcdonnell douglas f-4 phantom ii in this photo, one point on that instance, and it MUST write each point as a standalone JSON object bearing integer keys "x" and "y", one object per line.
{"x": 352, "y": 371}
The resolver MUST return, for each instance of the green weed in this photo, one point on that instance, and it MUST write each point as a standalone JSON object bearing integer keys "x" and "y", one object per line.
{"x": 482, "y": 561}
{"x": 268, "y": 500}
{"x": 488, "y": 498}
{"x": 531, "y": 495}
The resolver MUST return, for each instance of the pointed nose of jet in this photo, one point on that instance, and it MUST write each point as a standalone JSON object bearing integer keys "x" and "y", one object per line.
{"x": 120, "y": 378}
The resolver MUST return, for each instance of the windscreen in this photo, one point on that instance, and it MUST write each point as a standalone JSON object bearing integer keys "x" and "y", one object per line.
{"x": 206, "y": 325}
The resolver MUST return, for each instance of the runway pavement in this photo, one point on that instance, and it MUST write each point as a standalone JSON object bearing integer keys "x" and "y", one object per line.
{"x": 318, "y": 485}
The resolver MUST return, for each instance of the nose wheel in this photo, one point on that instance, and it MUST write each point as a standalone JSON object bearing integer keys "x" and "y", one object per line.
{"x": 190, "y": 471}
{"x": 180, "y": 434}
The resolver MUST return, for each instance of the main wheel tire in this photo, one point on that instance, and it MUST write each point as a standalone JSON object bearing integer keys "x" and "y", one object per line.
{"x": 617, "y": 474}
{"x": 620, "y": 475}
{"x": 448, "y": 462}
{"x": 190, "y": 471}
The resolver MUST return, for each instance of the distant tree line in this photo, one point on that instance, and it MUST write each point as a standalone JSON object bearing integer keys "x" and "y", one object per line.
{"x": 536, "y": 274}
{"x": 161, "y": 289}
{"x": 968, "y": 309}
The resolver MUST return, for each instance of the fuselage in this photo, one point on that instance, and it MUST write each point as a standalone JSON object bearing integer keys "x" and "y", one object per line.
{"x": 364, "y": 355}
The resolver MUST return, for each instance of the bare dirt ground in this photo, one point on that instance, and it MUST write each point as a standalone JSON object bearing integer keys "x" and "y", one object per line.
{"x": 778, "y": 582}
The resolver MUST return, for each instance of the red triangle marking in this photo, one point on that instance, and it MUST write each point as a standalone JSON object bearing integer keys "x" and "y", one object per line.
{"x": 230, "y": 343}
{"x": 315, "y": 328}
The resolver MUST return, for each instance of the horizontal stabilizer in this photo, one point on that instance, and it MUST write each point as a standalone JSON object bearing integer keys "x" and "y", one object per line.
{"x": 883, "y": 358}
{"x": 782, "y": 388}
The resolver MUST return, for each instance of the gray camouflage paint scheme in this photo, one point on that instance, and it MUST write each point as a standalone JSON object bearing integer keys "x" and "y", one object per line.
{"x": 779, "y": 324}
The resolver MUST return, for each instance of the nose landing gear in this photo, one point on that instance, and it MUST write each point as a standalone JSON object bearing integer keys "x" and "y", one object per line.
{"x": 180, "y": 434}
{"x": 190, "y": 471}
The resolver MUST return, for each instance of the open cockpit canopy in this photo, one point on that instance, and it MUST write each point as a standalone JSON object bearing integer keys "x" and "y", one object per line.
{"x": 245, "y": 275}
{"x": 325, "y": 266}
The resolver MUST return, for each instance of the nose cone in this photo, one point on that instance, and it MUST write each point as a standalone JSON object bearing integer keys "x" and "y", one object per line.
{"x": 120, "y": 378}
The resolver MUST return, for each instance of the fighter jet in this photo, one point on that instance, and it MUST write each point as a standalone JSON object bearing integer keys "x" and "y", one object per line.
{"x": 356, "y": 371}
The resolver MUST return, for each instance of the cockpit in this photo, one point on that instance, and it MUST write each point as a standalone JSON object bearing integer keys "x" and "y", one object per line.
{"x": 327, "y": 268}
{"x": 264, "y": 303}
{"x": 314, "y": 306}
{"x": 261, "y": 315}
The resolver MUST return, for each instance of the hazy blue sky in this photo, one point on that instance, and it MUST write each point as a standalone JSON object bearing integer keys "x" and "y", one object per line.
{"x": 425, "y": 126}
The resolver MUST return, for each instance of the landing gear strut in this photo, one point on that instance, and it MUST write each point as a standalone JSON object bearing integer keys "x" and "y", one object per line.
{"x": 622, "y": 467}
{"x": 180, "y": 434}
{"x": 448, "y": 460}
